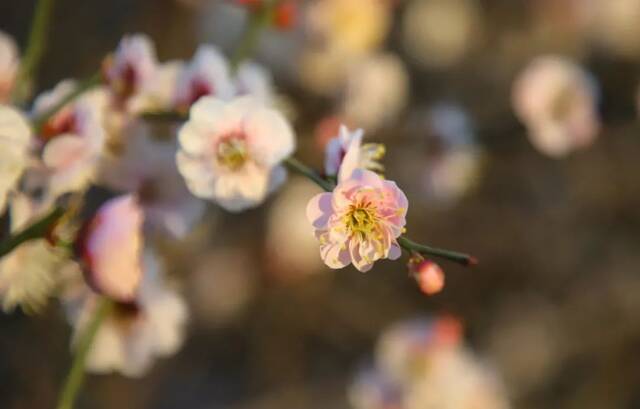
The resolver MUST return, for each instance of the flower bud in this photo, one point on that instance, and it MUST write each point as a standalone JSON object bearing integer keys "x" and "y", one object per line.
{"x": 109, "y": 248}
{"x": 428, "y": 275}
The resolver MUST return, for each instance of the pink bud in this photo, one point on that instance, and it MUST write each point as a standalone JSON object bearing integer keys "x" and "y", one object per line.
{"x": 429, "y": 276}
{"x": 109, "y": 247}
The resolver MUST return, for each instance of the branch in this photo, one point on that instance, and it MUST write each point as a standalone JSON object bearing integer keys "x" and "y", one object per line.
{"x": 34, "y": 50}
{"x": 259, "y": 20}
{"x": 38, "y": 229}
{"x": 75, "y": 378}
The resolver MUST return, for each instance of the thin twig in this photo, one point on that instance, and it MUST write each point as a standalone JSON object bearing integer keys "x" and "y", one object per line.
{"x": 36, "y": 230}
{"x": 75, "y": 378}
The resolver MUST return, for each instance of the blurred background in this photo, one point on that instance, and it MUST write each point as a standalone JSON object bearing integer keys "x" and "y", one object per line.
{"x": 553, "y": 307}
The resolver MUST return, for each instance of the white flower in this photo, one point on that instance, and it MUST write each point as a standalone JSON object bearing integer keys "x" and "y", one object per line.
{"x": 74, "y": 137}
{"x": 27, "y": 274}
{"x": 230, "y": 152}
{"x": 15, "y": 143}
{"x": 207, "y": 74}
{"x": 147, "y": 168}
{"x": 253, "y": 79}
{"x": 556, "y": 99}
{"x": 134, "y": 334}
{"x": 132, "y": 71}
{"x": 345, "y": 153}
{"x": 9, "y": 64}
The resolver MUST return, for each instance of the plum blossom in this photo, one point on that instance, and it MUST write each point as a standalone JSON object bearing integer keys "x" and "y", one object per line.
{"x": 359, "y": 221}
{"x": 73, "y": 138}
{"x": 146, "y": 167}
{"x": 557, "y": 101}
{"x": 428, "y": 275}
{"x": 345, "y": 152}
{"x": 28, "y": 273}
{"x": 230, "y": 152}
{"x": 207, "y": 74}
{"x": 135, "y": 332}
{"x": 9, "y": 64}
{"x": 423, "y": 363}
{"x": 15, "y": 144}
{"x": 132, "y": 71}
{"x": 109, "y": 248}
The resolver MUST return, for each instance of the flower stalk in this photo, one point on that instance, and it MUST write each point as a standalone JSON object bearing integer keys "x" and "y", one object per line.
{"x": 36, "y": 45}
{"x": 75, "y": 378}
{"x": 39, "y": 229}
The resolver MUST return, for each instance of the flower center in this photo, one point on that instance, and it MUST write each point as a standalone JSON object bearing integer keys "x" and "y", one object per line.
{"x": 231, "y": 153}
{"x": 361, "y": 220}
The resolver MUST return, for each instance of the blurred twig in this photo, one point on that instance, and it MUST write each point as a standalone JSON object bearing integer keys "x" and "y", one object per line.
{"x": 36, "y": 230}
{"x": 259, "y": 19}
{"x": 35, "y": 49}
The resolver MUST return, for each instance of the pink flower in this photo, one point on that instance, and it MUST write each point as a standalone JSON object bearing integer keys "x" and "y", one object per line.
{"x": 557, "y": 101}
{"x": 359, "y": 221}
{"x": 9, "y": 64}
{"x": 428, "y": 275}
{"x": 110, "y": 248}
{"x": 207, "y": 74}
{"x": 133, "y": 68}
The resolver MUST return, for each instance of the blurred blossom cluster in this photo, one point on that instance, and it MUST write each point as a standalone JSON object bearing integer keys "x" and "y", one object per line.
{"x": 423, "y": 363}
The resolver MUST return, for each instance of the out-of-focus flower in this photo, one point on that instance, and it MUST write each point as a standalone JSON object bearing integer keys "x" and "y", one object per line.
{"x": 253, "y": 79}
{"x": 288, "y": 223}
{"x": 146, "y": 167}
{"x": 377, "y": 89}
{"x": 424, "y": 364}
{"x": 132, "y": 70}
{"x": 359, "y": 221}
{"x": 28, "y": 273}
{"x": 346, "y": 153}
{"x": 230, "y": 152}
{"x": 136, "y": 332}
{"x": 74, "y": 137}
{"x": 9, "y": 64}
{"x": 354, "y": 26}
{"x": 109, "y": 248}
{"x": 428, "y": 275}
{"x": 557, "y": 101}
{"x": 438, "y": 33}
{"x": 15, "y": 143}
{"x": 207, "y": 74}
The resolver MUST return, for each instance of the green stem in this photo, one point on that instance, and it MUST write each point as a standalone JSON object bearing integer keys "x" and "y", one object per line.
{"x": 75, "y": 378}
{"x": 299, "y": 167}
{"x": 460, "y": 258}
{"x": 80, "y": 89}
{"x": 38, "y": 229}
{"x": 35, "y": 49}
{"x": 259, "y": 20}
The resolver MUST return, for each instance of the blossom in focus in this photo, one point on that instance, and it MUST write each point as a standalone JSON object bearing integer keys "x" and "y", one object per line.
{"x": 557, "y": 101}
{"x": 9, "y": 64}
{"x": 109, "y": 248}
{"x": 15, "y": 144}
{"x": 28, "y": 273}
{"x": 132, "y": 70}
{"x": 73, "y": 138}
{"x": 146, "y": 167}
{"x": 207, "y": 74}
{"x": 376, "y": 91}
{"x": 230, "y": 152}
{"x": 345, "y": 153}
{"x": 136, "y": 332}
{"x": 359, "y": 221}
